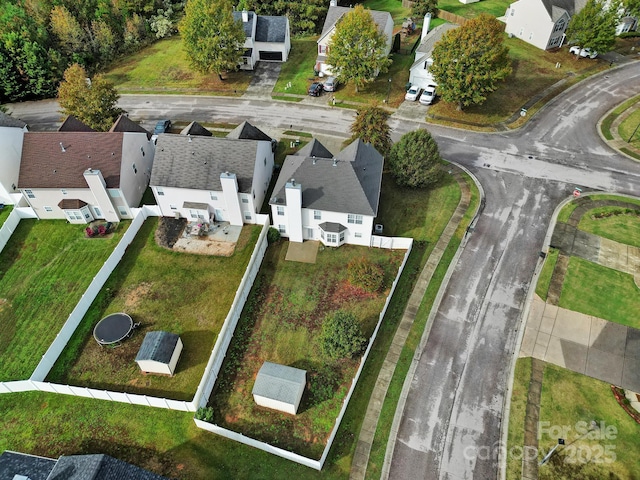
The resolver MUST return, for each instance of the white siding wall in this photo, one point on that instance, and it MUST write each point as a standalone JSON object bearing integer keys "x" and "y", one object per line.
{"x": 262, "y": 173}
{"x": 50, "y": 197}
{"x": 134, "y": 184}
{"x": 10, "y": 154}
{"x": 529, "y": 21}
{"x": 275, "y": 404}
{"x": 420, "y": 76}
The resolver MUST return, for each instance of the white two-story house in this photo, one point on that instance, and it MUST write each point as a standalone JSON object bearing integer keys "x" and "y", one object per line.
{"x": 267, "y": 38}
{"x": 419, "y": 73}
{"x": 334, "y": 199}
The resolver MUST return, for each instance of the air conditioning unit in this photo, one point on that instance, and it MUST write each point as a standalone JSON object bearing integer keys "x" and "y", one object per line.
{"x": 378, "y": 228}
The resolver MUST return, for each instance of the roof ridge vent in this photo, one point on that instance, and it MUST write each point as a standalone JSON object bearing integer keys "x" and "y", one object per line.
{"x": 335, "y": 162}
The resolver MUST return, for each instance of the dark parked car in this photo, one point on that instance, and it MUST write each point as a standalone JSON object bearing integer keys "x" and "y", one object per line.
{"x": 315, "y": 89}
{"x": 162, "y": 126}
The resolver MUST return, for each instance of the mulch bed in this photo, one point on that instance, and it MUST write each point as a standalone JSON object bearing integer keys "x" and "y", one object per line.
{"x": 622, "y": 401}
{"x": 169, "y": 231}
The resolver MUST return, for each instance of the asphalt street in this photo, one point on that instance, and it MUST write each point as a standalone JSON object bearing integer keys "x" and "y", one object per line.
{"x": 452, "y": 419}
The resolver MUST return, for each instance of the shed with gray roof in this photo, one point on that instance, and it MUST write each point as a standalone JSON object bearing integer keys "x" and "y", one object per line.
{"x": 279, "y": 387}
{"x": 159, "y": 353}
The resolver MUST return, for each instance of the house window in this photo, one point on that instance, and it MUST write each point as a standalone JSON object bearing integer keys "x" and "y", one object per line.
{"x": 341, "y": 236}
{"x": 322, "y": 234}
{"x": 73, "y": 214}
{"x": 193, "y": 213}
{"x": 247, "y": 215}
{"x": 282, "y": 229}
{"x": 355, "y": 219}
{"x": 513, "y": 11}
{"x": 213, "y": 196}
{"x": 114, "y": 193}
{"x": 160, "y": 191}
{"x": 29, "y": 193}
{"x": 332, "y": 238}
{"x": 63, "y": 191}
{"x": 280, "y": 210}
{"x": 560, "y": 25}
{"x": 317, "y": 215}
{"x": 265, "y": 161}
{"x": 173, "y": 207}
{"x": 521, "y": 32}
{"x": 245, "y": 200}
{"x": 530, "y": 35}
{"x": 98, "y": 212}
{"x": 123, "y": 211}
{"x": 135, "y": 169}
{"x": 357, "y": 235}
{"x": 323, "y": 49}
{"x": 48, "y": 209}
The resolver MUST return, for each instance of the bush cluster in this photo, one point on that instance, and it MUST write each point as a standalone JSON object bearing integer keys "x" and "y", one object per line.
{"x": 365, "y": 274}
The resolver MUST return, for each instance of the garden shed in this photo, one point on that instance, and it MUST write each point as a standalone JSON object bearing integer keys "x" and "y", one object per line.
{"x": 279, "y": 387}
{"x": 159, "y": 353}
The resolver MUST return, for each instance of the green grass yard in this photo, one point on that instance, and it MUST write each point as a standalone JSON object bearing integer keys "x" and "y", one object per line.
{"x": 629, "y": 130}
{"x": 45, "y": 268}
{"x": 618, "y": 224}
{"x": 4, "y": 213}
{"x": 517, "y": 413}
{"x": 544, "y": 280}
{"x": 592, "y": 289}
{"x": 497, "y": 8}
{"x": 178, "y": 292}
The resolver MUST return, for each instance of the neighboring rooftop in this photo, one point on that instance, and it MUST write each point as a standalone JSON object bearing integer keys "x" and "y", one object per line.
{"x": 31, "y": 466}
{"x": 9, "y": 121}
{"x": 271, "y": 29}
{"x": 124, "y": 124}
{"x": 72, "y": 124}
{"x": 348, "y": 183}
{"x": 429, "y": 41}
{"x": 314, "y": 149}
{"x": 555, "y": 8}
{"x": 194, "y": 128}
{"x": 158, "y": 346}
{"x": 279, "y": 382}
{"x": 246, "y": 131}
{"x": 335, "y": 13}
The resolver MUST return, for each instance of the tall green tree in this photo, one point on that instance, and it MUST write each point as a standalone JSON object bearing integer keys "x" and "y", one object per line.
{"x": 420, "y": 8}
{"x": 371, "y": 126}
{"x": 631, "y": 7}
{"x": 92, "y": 102}
{"x": 357, "y": 50}
{"x": 594, "y": 27}
{"x": 415, "y": 160}
{"x": 469, "y": 61}
{"x": 212, "y": 39}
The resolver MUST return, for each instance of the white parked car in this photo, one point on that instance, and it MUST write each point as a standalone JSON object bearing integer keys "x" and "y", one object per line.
{"x": 583, "y": 52}
{"x": 413, "y": 93}
{"x": 330, "y": 84}
{"x": 429, "y": 95}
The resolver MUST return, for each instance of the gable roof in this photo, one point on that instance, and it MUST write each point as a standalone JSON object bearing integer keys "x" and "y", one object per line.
{"x": 271, "y": 29}
{"x": 14, "y": 463}
{"x": 314, "y": 149}
{"x": 158, "y": 346}
{"x": 246, "y": 131}
{"x": 9, "y": 121}
{"x": 429, "y": 41}
{"x": 72, "y": 124}
{"x": 194, "y": 128}
{"x": 197, "y": 162}
{"x": 555, "y": 8}
{"x": 279, "y": 382}
{"x": 125, "y": 124}
{"x": 349, "y": 185}
{"x": 44, "y": 164}
{"x": 335, "y": 13}
{"x": 247, "y": 26}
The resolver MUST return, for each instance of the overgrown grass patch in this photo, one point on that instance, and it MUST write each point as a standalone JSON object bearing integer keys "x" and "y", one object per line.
{"x": 497, "y": 8}
{"x": 605, "y": 126}
{"x": 163, "y": 67}
{"x": 4, "y": 213}
{"x": 572, "y": 401}
{"x": 544, "y": 280}
{"x": 178, "y": 292}
{"x": 618, "y": 224}
{"x": 44, "y": 269}
{"x": 628, "y": 129}
{"x": 281, "y": 323}
{"x": 600, "y": 291}
{"x": 517, "y": 413}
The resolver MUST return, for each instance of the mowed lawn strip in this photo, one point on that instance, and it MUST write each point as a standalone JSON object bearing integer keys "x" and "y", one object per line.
{"x": 497, "y": 8}
{"x": 177, "y": 292}
{"x": 611, "y": 451}
{"x": 544, "y": 280}
{"x": 44, "y": 269}
{"x": 281, "y": 324}
{"x": 615, "y": 223}
{"x": 592, "y": 289}
{"x": 517, "y": 415}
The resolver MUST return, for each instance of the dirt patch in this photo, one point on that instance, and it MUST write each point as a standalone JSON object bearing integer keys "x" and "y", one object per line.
{"x": 136, "y": 295}
{"x": 204, "y": 246}
{"x": 169, "y": 231}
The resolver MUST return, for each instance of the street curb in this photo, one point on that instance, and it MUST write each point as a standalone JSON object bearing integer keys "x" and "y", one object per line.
{"x": 609, "y": 142}
{"x": 395, "y": 426}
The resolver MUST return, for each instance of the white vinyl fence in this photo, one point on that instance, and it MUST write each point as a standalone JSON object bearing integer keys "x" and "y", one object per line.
{"x": 12, "y": 221}
{"x": 309, "y": 462}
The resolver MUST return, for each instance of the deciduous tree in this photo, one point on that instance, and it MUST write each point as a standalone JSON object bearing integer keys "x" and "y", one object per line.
{"x": 594, "y": 27}
{"x": 421, "y": 7}
{"x": 371, "y": 126}
{"x": 469, "y": 61}
{"x": 92, "y": 102}
{"x": 357, "y": 50}
{"x": 341, "y": 335}
{"x": 212, "y": 38}
{"x": 415, "y": 160}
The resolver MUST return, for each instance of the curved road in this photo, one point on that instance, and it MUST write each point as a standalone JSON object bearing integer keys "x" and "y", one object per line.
{"x": 451, "y": 423}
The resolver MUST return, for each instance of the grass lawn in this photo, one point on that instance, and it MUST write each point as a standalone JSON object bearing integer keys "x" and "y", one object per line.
{"x": 533, "y": 71}
{"x": 45, "y": 268}
{"x": 544, "y": 280}
{"x": 163, "y": 68}
{"x": 606, "y": 123}
{"x": 497, "y": 8}
{"x": 4, "y": 213}
{"x": 568, "y": 209}
{"x": 600, "y": 291}
{"x": 298, "y": 69}
{"x": 281, "y": 324}
{"x": 178, "y": 292}
{"x": 569, "y": 398}
{"x": 394, "y": 7}
{"x": 629, "y": 130}
{"x": 517, "y": 412}
{"x": 621, "y": 225}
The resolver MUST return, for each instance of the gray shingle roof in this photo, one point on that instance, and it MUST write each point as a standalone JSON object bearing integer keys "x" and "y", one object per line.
{"x": 197, "y": 162}
{"x": 332, "y": 227}
{"x": 14, "y": 463}
{"x": 555, "y": 8}
{"x": 98, "y": 467}
{"x": 246, "y": 131}
{"x": 314, "y": 149}
{"x": 279, "y": 382}
{"x": 352, "y": 185}
{"x": 335, "y": 13}
{"x": 125, "y": 124}
{"x": 194, "y": 128}
{"x": 158, "y": 346}
{"x": 72, "y": 124}
{"x": 248, "y": 26}
{"x": 430, "y": 40}
{"x": 9, "y": 121}
{"x": 271, "y": 29}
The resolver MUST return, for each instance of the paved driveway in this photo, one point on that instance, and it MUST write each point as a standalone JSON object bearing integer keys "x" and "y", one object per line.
{"x": 265, "y": 76}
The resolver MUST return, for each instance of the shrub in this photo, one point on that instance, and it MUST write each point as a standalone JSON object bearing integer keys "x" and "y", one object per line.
{"x": 273, "y": 235}
{"x": 415, "y": 160}
{"x": 341, "y": 336}
{"x": 205, "y": 414}
{"x": 365, "y": 274}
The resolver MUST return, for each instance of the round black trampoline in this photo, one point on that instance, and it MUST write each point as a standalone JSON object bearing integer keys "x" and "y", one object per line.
{"x": 113, "y": 329}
